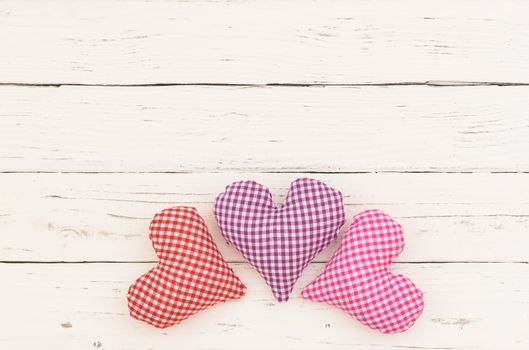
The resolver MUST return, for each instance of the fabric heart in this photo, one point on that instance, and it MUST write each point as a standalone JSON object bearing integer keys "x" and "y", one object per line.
{"x": 190, "y": 276}
{"x": 357, "y": 279}
{"x": 280, "y": 242}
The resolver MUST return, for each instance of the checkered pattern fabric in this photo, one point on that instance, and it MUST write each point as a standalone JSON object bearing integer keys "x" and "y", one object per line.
{"x": 191, "y": 275}
{"x": 280, "y": 242}
{"x": 357, "y": 279}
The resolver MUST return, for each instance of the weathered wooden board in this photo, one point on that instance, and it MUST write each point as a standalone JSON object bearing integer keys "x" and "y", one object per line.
{"x": 83, "y": 306}
{"x": 194, "y": 129}
{"x": 83, "y": 168}
{"x": 104, "y": 217}
{"x": 115, "y": 42}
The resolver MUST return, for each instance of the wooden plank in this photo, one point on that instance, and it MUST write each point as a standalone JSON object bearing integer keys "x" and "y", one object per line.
{"x": 263, "y": 42}
{"x": 104, "y": 217}
{"x": 332, "y": 129}
{"x": 83, "y": 306}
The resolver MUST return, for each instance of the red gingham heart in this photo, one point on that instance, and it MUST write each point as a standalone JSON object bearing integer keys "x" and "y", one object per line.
{"x": 357, "y": 279}
{"x": 280, "y": 242}
{"x": 190, "y": 276}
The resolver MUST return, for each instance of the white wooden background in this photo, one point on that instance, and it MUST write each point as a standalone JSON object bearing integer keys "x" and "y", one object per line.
{"x": 111, "y": 111}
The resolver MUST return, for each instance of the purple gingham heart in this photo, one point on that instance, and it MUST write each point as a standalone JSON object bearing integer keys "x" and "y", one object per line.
{"x": 280, "y": 242}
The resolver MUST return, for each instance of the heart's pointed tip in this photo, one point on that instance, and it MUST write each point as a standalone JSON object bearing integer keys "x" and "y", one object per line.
{"x": 281, "y": 297}
{"x": 306, "y": 293}
{"x": 240, "y": 293}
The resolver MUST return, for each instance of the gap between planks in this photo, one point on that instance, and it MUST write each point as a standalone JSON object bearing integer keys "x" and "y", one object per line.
{"x": 322, "y": 172}
{"x": 431, "y": 83}
{"x": 14, "y": 262}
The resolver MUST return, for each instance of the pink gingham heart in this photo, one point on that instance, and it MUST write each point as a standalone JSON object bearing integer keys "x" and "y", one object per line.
{"x": 280, "y": 242}
{"x": 357, "y": 279}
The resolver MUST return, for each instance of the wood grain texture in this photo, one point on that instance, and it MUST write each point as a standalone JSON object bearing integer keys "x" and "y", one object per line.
{"x": 197, "y": 129}
{"x": 264, "y": 42}
{"x": 105, "y": 217}
{"x": 84, "y": 168}
{"x": 83, "y": 306}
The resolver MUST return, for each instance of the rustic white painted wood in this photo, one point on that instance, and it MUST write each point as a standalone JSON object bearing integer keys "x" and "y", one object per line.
{"x": 195, "y": 129}
{"x": 83, "y": 306}
{"x": 105, "y": 217}
{"x": 115, "y": 42}
{"x": 83, "y": 168}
